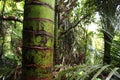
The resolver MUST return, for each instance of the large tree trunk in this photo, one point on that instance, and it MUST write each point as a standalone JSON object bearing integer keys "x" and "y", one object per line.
{"x": 38, "y": 40}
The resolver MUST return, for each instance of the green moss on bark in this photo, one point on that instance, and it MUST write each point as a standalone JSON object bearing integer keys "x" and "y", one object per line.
{"x": 38, "y": 40}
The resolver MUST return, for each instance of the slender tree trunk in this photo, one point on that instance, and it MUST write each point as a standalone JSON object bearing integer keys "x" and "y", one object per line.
{"x": 108, "y": 21}
{"x": 107, "y": 46}
{"x": 56, "y": 54}
{"x": 86, "y": 44}
{"x": 108, "y": 37}
{"x": 38, "y": 40}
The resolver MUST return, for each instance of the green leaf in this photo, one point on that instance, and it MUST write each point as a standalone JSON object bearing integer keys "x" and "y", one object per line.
{"x": 98, "y": 73}
{"x": 112, "y": 73}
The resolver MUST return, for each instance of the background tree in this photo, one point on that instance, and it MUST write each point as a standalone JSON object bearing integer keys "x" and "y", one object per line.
{"x": 10, "y": 39}
{"x": 107, "y": 10}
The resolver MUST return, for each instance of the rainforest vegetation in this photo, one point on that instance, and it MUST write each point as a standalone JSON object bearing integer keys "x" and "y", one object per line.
{"x": 59, "y": 39}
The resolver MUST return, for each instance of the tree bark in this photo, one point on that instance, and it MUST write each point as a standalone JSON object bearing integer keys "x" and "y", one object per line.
{"x": 38, "y": 40}
{"x": 108, "y": 37}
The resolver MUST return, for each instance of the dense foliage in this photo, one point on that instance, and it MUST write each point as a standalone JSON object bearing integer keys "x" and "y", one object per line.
{"x": 86, "y": 39}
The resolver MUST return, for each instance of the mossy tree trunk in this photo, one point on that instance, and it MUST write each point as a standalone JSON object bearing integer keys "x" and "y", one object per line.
{"x": 38, "y": 40}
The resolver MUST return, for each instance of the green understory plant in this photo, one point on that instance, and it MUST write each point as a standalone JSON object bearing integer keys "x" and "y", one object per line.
{"x": 89, "y": 72}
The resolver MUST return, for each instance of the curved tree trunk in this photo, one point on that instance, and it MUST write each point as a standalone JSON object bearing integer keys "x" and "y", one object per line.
{"x": 38, "y": 40}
